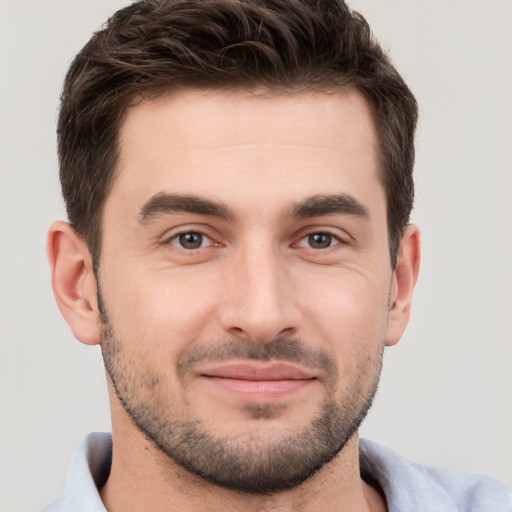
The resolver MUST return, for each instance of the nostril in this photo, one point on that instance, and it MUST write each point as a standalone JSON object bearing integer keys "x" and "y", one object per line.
{"x": 288, "y": 331}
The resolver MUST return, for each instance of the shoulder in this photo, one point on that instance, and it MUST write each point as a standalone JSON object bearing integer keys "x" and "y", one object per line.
{"x": 88, "y": 471}
{"x": 411, "y": 486}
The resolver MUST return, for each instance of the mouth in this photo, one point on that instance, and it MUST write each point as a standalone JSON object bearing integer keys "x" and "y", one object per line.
{"x": 258, "y": 382}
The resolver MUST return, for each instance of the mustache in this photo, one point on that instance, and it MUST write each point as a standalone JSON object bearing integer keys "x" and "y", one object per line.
{"x": 278, "y": 349}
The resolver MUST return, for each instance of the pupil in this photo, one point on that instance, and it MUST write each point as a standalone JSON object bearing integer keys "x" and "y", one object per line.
{"x": 320, "y": 240}
{"x": 191, "y": 240}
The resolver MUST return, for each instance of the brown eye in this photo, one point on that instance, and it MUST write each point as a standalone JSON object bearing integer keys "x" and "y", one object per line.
{"x": 190, "y": 240}
{"x": 319, "y": 240}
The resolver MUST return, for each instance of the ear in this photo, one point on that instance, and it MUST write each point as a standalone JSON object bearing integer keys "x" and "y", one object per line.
{"x": 404, "y": 279}
{"x": 73, "y": 281}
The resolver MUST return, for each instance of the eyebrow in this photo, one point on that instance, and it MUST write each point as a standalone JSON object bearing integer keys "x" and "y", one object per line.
{"x": 315, "y": 206}
{"x": 319, "y": 205}
{"x": 163, "y": 203}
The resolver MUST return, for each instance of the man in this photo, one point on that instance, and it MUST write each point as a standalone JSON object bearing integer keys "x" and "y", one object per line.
{"x": 238, "y": 179}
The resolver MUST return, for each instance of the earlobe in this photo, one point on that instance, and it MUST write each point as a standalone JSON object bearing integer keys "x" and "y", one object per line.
{"x": 404, "y": 281}
{"x": 73, "y": 281}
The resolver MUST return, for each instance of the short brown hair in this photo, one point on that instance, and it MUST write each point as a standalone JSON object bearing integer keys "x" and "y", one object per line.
{"x": 156, "y": 46}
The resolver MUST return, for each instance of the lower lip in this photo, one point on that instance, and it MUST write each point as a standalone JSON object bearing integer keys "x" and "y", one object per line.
{"x": 257, "y": 390}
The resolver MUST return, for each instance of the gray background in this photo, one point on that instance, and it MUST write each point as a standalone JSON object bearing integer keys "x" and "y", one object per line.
{"x": 445, "y": 396}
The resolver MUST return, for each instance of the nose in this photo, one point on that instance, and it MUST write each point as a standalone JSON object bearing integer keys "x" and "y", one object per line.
{"x": 259, "y": 300}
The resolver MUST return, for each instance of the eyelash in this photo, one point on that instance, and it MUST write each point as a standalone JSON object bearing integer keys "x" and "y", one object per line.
{"x": 325, "y": 233}
{"x": 176, "y": 237}
{"x": 336, "y": 239}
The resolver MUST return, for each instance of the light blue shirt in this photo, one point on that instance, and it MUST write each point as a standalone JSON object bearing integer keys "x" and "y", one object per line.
{"x": 408, "y": 487}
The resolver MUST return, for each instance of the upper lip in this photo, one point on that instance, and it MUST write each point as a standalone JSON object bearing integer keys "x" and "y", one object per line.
{"x": 258, "y": 372}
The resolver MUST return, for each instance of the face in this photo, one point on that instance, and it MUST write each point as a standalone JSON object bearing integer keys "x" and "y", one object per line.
{"x": 245, "y": 280}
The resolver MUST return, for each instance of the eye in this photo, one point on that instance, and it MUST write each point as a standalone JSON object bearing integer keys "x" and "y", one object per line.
{"x": 319, "y": 241}
{"x": 190, "y": 240}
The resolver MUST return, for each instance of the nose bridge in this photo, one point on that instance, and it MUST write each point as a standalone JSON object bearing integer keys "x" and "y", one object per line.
{"x": 260, "y": 302}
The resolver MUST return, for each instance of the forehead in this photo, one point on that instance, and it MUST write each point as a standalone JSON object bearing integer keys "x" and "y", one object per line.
{"x": 238, "y": 115}
{"x": 234, "y": 144}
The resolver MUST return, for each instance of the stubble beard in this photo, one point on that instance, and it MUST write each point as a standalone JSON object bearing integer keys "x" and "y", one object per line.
{"x": 245, "y": 461}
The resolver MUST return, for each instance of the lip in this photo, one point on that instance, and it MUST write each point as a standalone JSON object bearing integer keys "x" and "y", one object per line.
{"x": 258, "y": 382}
{"x": 258, "y": 372}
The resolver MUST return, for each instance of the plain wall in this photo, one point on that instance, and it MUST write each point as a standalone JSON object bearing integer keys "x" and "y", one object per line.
{"x": 446, "y": 391}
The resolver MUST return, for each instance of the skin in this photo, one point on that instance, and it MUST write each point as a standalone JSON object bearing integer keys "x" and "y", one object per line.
{"x": 255, "y": 277}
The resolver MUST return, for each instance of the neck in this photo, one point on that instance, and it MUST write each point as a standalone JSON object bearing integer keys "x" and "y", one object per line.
{"x": 142, "y": 478}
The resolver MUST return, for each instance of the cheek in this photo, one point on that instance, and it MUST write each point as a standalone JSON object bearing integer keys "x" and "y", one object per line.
{"x": 349, "y": 310}
{"x": 350, "y": 320}
{"x": 166, "y": 309}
